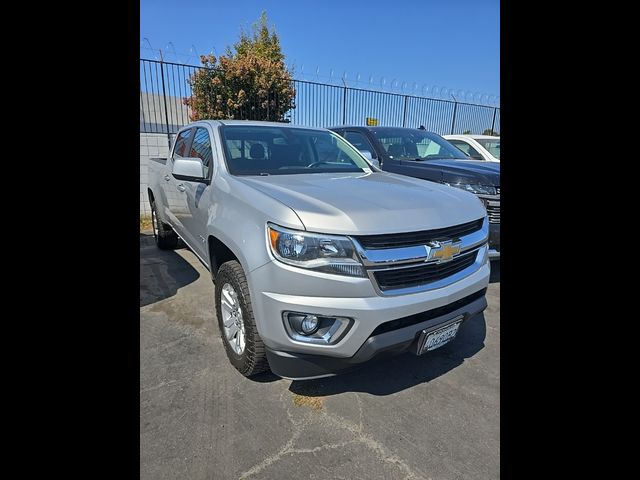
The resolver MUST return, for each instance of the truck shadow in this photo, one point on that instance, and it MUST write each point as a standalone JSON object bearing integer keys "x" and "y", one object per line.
{"x": 392, "y": 375}
{"x": 162, "y": 272}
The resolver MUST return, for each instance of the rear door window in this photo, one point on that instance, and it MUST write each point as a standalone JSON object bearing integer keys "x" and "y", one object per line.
{"x": 180, "y": 149}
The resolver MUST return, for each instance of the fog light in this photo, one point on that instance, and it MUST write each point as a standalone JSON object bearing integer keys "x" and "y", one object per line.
{"x": 311, "y": 328}
{"x": 309, "y": 324}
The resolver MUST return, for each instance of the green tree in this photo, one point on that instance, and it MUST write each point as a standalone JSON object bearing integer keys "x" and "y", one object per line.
{"x": 250, "y": 81}
{"x": 488, "y": 131}
{"x": 466, "y": 132}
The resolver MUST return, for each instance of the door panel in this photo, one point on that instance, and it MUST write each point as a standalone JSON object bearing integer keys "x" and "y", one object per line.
{"x": 197, "y": 194}
{"x": 176, "y": 205}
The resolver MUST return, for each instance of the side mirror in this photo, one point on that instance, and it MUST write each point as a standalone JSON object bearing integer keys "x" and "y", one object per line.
{"x": 188, "y": 168}
{"x": 477, "y": 157}
{"x": 375, "y": 162}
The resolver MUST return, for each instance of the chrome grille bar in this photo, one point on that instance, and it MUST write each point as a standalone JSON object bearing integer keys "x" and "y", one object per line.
{"x": 401, "y": 255}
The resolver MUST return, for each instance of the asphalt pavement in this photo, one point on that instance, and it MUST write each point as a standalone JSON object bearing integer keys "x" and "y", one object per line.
{"x": 407, "y": 417}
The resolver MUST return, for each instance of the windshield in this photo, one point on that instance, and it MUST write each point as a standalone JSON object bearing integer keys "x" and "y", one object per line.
{"x": 272, "y": 150}
{"x": 416, "y": 144}
{"x": 492, "y": 145}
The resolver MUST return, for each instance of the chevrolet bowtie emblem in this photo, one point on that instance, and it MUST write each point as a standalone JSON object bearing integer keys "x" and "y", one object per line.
{"x": 442, "y": 251}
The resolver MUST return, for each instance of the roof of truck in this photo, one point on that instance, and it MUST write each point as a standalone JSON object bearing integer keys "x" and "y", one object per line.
{"x": 476, "y": 137}
{"x": 253, "y": 123}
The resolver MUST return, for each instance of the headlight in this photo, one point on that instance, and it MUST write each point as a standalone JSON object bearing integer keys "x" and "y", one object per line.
{"x": 322, "y": 253}
{"x": 477, "y": 189}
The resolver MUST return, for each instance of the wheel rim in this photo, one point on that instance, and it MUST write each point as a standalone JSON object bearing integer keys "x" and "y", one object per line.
{"x": 154, "y": 223}
{"x": 232, "y": 318}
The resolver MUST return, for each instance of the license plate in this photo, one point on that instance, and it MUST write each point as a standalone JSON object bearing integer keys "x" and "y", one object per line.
{"x": 430, "y": 340}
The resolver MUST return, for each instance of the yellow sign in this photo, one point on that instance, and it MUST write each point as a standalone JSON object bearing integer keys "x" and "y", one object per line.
{"x": 372, "y": 122}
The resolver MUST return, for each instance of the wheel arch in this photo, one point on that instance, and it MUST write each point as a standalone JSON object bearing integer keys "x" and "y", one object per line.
{"x": 219, "y": 253}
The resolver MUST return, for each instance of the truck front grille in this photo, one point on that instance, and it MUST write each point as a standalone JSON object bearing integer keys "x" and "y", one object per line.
{"x": 493, "y": 211}
{"x": 396, "y": 240}
{"x": 423, "y": 274}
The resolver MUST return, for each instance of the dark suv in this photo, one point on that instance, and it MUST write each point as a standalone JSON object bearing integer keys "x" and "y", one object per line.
{"x": 421, "y": 154}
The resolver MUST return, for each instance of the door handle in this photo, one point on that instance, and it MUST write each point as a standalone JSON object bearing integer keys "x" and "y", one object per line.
{"x": 167, "y": 178}
{"x": 181, "y": 187}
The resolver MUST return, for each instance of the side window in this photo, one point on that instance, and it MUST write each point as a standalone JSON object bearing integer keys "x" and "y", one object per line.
{"x": 474, "y": 153}
{"x": 201, "y": 148}
{"x": 359, "y": 141}
{"x": 465, "y": 147}
{"x": 180, "y": 149}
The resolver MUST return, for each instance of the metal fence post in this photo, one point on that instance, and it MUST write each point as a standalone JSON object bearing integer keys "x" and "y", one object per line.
{"x": 316, "y": 103}
{"x": 164, "y": 97}
{"x": 453, "y": 122}
{"x": 493, "y": 122}
{"x": 344, "y": 106}
{"x": 404, "y": 117}
{"x": 268, "y": 105}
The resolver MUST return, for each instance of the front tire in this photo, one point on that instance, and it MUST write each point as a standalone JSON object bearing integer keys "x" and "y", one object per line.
{"x": 238, "y": 330}
{"x": 165, "y": 237}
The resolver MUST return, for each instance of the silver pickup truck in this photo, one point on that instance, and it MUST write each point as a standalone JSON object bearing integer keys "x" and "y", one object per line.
{"x": 321, "y": 261}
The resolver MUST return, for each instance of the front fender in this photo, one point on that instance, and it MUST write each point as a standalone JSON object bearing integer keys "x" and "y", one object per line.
{"x": 238, "y": 216}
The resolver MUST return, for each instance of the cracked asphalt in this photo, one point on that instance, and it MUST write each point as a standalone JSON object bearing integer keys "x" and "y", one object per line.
{"x": 407, "y": 417}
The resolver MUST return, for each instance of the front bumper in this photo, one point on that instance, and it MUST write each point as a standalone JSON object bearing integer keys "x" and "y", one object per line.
{"x": 332, "y": 295}
{"x": 300, "y": 366}
{"x": 494, "y": 241}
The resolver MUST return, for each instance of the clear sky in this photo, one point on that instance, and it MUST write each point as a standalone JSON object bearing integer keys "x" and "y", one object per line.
{"x": 445, "y": 43}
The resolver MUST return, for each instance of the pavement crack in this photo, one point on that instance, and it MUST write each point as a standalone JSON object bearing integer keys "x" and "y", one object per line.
{"x": 288, "y": 446}
{"x": 360, "y": 412}
{"x": 381, "y": 450}
{"x": 357, "y": 431}
{"x": 321, "y": 447}
{"x": 162, "y": 384}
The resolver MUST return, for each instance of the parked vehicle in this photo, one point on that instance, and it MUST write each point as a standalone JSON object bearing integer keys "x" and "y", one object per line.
{"x": 478, "y": 147}
{"x": 320, "y": 260}
{"x": 422, "y": 154}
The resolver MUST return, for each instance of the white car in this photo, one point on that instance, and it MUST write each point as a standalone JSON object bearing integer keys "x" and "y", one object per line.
{"x": 479, "y": 147}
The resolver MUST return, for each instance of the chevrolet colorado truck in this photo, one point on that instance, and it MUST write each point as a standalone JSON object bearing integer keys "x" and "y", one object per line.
{"x": 421, "y": 154}
{"x": 320, "y": 260}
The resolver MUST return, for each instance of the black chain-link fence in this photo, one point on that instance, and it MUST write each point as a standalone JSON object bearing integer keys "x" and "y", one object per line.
{"x": 165, "y": 85}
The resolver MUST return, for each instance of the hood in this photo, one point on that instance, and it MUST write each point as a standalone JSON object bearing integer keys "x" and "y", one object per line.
{"x": 369, "y": 203}
{"x": 466, "y": 171}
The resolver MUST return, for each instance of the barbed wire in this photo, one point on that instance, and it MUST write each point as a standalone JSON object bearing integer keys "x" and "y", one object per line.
{"x": 303, "y": 72}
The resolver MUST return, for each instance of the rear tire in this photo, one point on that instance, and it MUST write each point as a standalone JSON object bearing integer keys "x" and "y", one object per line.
{"x": 247, "y": 353}
{"x": 165, "y": 237}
